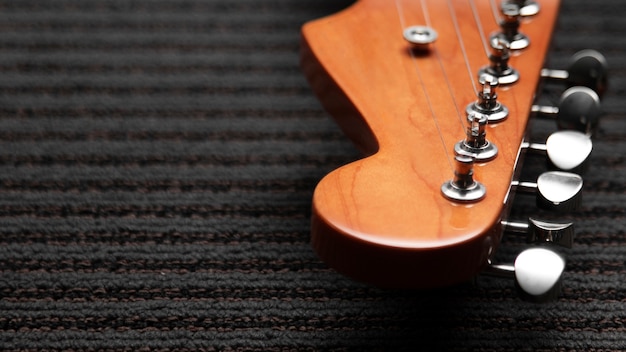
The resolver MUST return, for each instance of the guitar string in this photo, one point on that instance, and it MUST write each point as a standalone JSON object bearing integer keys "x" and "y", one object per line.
{"x": 425, "y": 14}
{"x": 445, "y": 74}
{"x": 419, "y": 75}
{"x": 480, "y": 27}
{"x": 462, "y": 44}
{"x": 496, "y": 14}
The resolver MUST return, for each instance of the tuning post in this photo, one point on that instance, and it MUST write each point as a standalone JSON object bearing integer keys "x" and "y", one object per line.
{"x": 509, "y": 25}
{"x": 579, "y": 109}
{"x": 567, "y": 149}
{"x": 587, "y": 68}
{"x": 420, "y": 36}
{"x": 487, "y": 103}
{"x": 539, "y": 231}
{"x": 499, "y": 62}
{"x": 463, "y": 188}
{"x": 475, "y": 143}
{"x": 555, "y": 190}
{"x": 537, "y": 273}
{"x": 527, "y": 7}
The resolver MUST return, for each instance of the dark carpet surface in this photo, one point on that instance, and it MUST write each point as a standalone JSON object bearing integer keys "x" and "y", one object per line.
{"x": 157, "y": 161}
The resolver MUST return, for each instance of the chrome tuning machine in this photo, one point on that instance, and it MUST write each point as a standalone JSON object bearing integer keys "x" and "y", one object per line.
{"x": 587, "y": 68}
{"x": 555, "y": 190}
{"x": 511, "y": 13}
{"x": 475, "y": 144}
{"x": 463, "y": 188}
{"x": 537, "y": 273}
{"x": 566, "y": 150}
{"x": 540, "y": 231}
{"x": 578, "y": 109}
{"x": 487, "y": 102}
{"x": 527, "y": 7}
{"x": 499, "y": 62}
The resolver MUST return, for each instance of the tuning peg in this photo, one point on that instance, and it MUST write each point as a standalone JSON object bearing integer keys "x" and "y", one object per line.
{"x": 555, "y": 190}
{"x": 463, "y": 188}
{"x": 499, "y": 62}
{"x": 511, "y": 13}
{"x": 487, "y": 102}
{"x": 475, "y": 144}
{"x": 527, "y": 7}
{"x": 578, "y": 109}
{"x": 587, "y": 68}
{"x": 537, "y": 273}
{"x": 539, "y": 231}
{"x": 567, "y": 150}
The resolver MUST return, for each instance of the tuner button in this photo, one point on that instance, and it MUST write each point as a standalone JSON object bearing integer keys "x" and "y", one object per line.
{"x": 579, "y": 109}
{"x": 587, "y": 68}
{"x": 555, "y": 190}
{"x": 560, "y": 191}
{"x": 537, "y": 272}
{"x": 499, "y": 62}
{"x": 510, "y": 27}
{"x": 475, "y": 144}
{"x": 463, "y": 188}
{"x": 539, "y": 231}
{"x": 567, "y": 150}
{"x": 420, "y": 36}
{"x": 487, "y": 102}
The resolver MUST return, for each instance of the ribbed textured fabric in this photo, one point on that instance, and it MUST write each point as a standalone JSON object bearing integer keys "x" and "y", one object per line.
{"x": 157, "y": 161}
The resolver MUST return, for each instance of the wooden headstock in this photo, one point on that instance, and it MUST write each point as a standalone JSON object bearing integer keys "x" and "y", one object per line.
{"x": 383, "y": 219}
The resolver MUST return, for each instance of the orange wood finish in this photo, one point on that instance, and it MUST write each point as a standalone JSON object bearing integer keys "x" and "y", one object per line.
{"x": 382, "y": 219}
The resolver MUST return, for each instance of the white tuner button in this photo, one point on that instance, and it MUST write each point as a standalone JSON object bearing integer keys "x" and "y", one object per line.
{"x": 555, "y": 190}
{"x": 567, "y": 150}
{"x": 537, "y": 272}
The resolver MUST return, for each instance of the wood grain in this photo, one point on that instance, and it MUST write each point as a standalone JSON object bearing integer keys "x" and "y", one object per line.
{"x": 382, "y": 219}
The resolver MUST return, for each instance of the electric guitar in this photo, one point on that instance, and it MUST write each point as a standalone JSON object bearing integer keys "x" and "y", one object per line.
{"x": 400, "y": 78}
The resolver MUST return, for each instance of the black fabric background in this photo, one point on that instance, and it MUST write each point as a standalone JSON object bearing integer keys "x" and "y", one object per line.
{"x": 157, "y": 161}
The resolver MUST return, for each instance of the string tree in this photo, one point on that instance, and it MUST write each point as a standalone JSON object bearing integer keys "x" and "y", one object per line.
{"x": 487, "y": 102}
{"x": 509, "y": 25}
{"x": 420, "y": 37}
{"x": 499, "y": 62}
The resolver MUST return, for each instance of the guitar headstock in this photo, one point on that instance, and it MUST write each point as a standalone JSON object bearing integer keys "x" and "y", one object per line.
{"x": 384, "y": 219}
